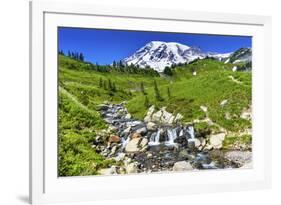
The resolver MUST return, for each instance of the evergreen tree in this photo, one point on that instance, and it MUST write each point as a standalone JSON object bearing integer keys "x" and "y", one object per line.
{"x": 168, "y": 71}
{"x": 113, "y": 87}
{"x": 121, "y": 64}
{"x": 104, "y": 85}
{"x": 109, "y": 84}
{"x": 157, "y": 93}
{"x": 169, "y": 93}
{"x": 146, "y": 102}
{"x": 81, "y": 57}
{"x": 61, "y": 52}
{"x": 100, "y": 84}
{"x": 71, "y": 54}
{"x": 114, "y": 64}
{"x": 142, "y": 88}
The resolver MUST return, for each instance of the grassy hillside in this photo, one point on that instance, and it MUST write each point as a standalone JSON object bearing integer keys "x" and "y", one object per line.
{"x": 82, "y": 89}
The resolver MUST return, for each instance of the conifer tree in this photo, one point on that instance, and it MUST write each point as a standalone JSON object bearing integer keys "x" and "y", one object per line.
{"x": 113, "y": 87}
{"x": 81, "y": 57}
{"x": 142, "y": 88}
{"x": 104, "y": 85}
{"x": 169, "y": 93}
{"x": 146, "y": 102}
{"x": 109, "y": 84}
{"x": 100, "y": 83}
{"x": 157, "y": 93}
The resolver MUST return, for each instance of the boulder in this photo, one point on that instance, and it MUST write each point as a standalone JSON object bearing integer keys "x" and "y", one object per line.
{"x": 223, "y": 103}
{"x": 120, "y": 157}
{"x": 178, "y": 117}
{"x": 131, "y": 168}
{"x": 149, "y": 155}
{"x": 108, "y": 171}
{"x": 182, "y": 166}
{"x": 183, "y": 154}
{"x": 127, "y": 130}
{"x": 197, "y": 142}
{"x": 141, "y": 131}
{"x": 128, "y": 116}
{"x": 113, "y": 139}
{"x": 240, "y": 158}
{"x": 203, "y": 108}
{"x": 161, "y": 116}
{"x": 151, "y": 126}
{"x": 137, "y": 144}
{"x": 156, "y": 117}
{"x": 113, "y": 150}
{"x": 132, "y": 145}
{"x": 136, "y": 135}
{"x": 246, "y": 114}
{"x": 149, "y": 114}
{"x": 217, "y": 140}
{"x": 143, "y": 142}
{"x": 202, "y": 141}
{"x": 166, "y": 118}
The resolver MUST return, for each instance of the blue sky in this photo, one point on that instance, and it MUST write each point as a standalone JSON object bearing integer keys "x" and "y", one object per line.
{"x": 105, "y": 46}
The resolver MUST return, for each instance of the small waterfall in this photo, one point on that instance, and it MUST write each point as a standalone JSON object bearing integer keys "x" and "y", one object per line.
{"x": 172, "y": 135}
{"x": 190, "y": 131}
{"x": 154, "y": 139}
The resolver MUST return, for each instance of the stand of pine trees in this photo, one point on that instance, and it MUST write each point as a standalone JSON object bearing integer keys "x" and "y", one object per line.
{"x": 75, "y": 55}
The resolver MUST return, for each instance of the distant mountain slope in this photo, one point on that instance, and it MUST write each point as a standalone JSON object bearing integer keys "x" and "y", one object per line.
{"x": 159, "y": 54}
{"x": 242, "y": 55}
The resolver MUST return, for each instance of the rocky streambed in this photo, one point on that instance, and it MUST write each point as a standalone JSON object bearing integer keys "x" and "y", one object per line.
{"x": 159, "y": 143}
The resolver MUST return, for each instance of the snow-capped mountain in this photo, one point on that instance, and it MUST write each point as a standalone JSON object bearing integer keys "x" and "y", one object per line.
{"x": 158, "y": 55}
{"x": 242, "y": 55}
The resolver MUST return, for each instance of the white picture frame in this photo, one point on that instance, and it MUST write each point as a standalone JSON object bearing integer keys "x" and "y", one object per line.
{"x": 46, "y": 187}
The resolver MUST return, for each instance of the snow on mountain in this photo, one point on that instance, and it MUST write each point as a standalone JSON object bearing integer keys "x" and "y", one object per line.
{"x": 242, "y": 55}
{"x": 158, "y": 55}
{"x": 219, "y": 56}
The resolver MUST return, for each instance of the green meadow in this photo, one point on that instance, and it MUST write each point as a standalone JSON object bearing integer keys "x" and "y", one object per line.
{"x": 184, "y": 90}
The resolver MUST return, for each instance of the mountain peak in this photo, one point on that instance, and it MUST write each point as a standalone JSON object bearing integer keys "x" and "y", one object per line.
{"x": 160, "y": 54}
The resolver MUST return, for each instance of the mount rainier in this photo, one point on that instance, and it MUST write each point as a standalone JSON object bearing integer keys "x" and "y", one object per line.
{"x": 159, "y": 54}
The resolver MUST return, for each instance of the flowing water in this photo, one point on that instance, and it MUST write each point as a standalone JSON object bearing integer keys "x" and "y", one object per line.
{"x": 168, "y": 144}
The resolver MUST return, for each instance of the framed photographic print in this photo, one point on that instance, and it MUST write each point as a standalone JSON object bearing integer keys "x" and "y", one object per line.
{"x": 147, "y": 102}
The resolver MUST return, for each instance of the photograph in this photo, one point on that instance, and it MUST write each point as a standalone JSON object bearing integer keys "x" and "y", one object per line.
{"x": 144, "y": 102}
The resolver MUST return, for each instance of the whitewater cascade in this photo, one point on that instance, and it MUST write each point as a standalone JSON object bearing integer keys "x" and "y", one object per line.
{"x": 155, "y": 138}
{"x": 190, "y": 131}
{"x": 172, "y": 135}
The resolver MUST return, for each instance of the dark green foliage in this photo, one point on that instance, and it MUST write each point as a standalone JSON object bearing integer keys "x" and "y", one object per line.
{"x": 81, "y": 57}
{"x": 157, "y": 93}
{"x": 75, "y": 55}
{"x": 109, "y": 84}
{"x": 100, "y": 83}
{"x": 146, "y": 102}
{"x": 104, "y": 85}
{"x": 61, "y": 52}
{"x": 168, "y": 92}
{"x": 113, "y": 87}
{"x": 168, "y": 71}
{"x": 142, "y": 88}
{"x": 244, "y": 66}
